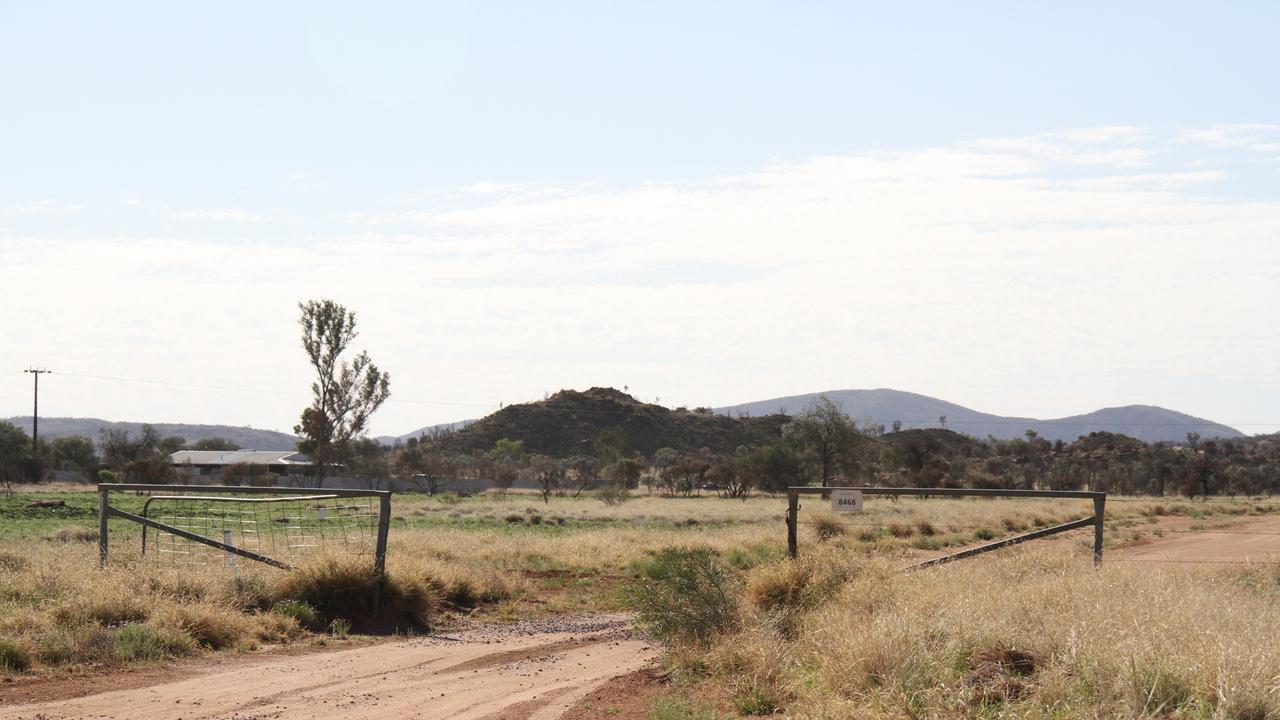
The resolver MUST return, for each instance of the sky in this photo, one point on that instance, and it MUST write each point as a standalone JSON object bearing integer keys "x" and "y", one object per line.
{"x": 1033, "y": 209}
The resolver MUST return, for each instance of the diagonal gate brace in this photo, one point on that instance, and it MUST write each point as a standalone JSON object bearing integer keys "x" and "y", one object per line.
{"x": 148, "y": 522}
{"x": 1044, "y": 532}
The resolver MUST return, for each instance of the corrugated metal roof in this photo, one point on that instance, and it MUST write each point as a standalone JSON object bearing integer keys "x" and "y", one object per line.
{"x": 230, "y": 457}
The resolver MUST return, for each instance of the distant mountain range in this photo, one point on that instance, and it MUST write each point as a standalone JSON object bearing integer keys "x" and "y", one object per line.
{"x": 883, "y": 407}
{"x": 583, "y": 415}
{"x": 428, "y": 432}
{"x": 245, "y": 437}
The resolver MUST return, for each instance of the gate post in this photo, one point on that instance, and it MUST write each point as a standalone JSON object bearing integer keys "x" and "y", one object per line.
{"x": 103, "y": 503}
{"x": 380, "y": 551}
{"x": 793, "y": 508}
{"x": 1099, "y": 510}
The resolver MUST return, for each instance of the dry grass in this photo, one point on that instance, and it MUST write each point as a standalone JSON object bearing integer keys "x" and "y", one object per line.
{"x": 1030, "y": 634}
{"x": 455, "y": 554}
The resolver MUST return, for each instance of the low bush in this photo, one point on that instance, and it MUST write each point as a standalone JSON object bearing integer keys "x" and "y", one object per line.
{"x": 613, "y": 495}
{"x": 116, "y": 608}
{"x": 686, "y": 597}
{"x": 828, "y": 527}
{"x": 304, "y": 614}
{"x": 146, "y": 642}
{"x": 14, "y": 658}
{"x": 901, "y": 530}
{"x": 213, "y": 626}
{"x": 1013, "y": 523}
{"x": 72, "y": 533}
{"x": 345, "y": 589}
{"x": 247, "y": 591}
{"x": 12, "y": 562}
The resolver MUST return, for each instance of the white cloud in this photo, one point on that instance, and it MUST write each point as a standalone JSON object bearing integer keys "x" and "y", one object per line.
{"x": 234, "y": 215}
{"x": 43, "y": 207}
{"x": 1256, "y": 137}
{"x": 999, "y": 274}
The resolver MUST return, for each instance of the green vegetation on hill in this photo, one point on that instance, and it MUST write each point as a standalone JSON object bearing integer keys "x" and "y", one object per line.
{"x": 569, "y": 423}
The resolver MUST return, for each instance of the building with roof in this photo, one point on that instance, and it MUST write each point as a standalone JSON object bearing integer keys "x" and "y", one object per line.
{"x": 196, "y": 463}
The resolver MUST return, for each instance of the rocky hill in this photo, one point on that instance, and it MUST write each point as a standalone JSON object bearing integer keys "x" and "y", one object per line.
{"x": 569, "y": 422}
{"x": 883, "y": 407}
{"x": 245, "y": 437}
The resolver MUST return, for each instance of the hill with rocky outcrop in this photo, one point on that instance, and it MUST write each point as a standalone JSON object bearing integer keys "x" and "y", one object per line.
{"x": 569, "y": 422}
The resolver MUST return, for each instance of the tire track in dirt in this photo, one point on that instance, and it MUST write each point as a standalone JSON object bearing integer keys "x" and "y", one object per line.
{"x": 1251, "y": 541}
{"x": 528, "y": 670}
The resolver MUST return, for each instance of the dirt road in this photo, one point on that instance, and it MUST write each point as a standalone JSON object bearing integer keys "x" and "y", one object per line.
{"x": 533, "y": 670}
{"x": 1251, "y": 541}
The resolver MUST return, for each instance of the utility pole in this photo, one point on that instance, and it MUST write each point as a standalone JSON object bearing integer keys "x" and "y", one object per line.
{"x": 35, "y": 423}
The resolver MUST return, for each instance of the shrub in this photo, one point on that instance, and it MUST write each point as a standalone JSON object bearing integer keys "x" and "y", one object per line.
{"x": 340, "y": 627}
{"x": 869, "y": 534}
{"x": 1014, "y": 523}
{"x": 465, "y": 588}
{"x": 828, "y": 526}
{"x": 115, "y": 609}
{"x": 145, "y": 642}
{"x": 72, "y": 533}
{"x": 212, "y": 626}
{"x": 247, "y": 592}
{"x": 345, "y": 589}
{"x": 751, "y": 700}
{"x": 12, "y": 562}
{"x": 926, "y": 528}
{"x": 299, "y": 611}
{"x": 901, "y": 530}
{"x": 984, "y": 534}
{"x": 688, "y": 596}
{"x": 56, "y": 648}
{"x": 14, "y": 658}
{"x": 613, "y": 495}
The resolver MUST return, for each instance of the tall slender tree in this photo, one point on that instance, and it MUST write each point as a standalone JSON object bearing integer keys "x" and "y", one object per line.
{"x": 344, "y": 394}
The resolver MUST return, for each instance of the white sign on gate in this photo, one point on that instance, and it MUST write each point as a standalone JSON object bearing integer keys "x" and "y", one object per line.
{"x": 845, "y": 500}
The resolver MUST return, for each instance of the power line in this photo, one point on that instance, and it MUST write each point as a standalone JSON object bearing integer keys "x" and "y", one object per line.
{"x": 252, "y": 390}
{"x": 924, "y": 424}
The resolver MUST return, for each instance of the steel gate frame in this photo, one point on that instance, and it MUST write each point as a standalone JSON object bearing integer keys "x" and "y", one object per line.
{"x": 1096, "y": 520}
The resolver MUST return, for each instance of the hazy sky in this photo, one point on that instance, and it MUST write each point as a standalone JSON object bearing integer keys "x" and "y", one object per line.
{"x": 1032, "y": 209}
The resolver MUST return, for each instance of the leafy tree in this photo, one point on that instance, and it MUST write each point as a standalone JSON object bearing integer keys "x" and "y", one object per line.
{"x": 75, "y": 453}
{"x": 777, "y": 467}
{"x": 368, "y": 460}
{"x": 213, "y": 443}
{"x": 240, "y": 473}
{"x": 152, "y": 470}
{"x": 15, "y": 455}
{"x": 825, "y": 431}
{"x": 549, "y": 473}
{"x": 610, "y": 445}
{"x": 507, "y": 458}
{"x": 119, "y": 448}
{"x": 429, "y": 471}
{"x": 344, "y": 394}
{"x": 626, "y": 471}
{"x": 584, "y": 471}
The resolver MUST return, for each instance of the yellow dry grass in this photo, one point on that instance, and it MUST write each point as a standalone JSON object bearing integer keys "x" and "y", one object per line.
{"x": 1035, "y": 633}
{"x": 459, "y": 553}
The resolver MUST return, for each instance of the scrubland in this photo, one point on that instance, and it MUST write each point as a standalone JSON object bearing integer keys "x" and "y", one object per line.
{"x": 843, "y": 632}
{"x": 1033, "y": 633}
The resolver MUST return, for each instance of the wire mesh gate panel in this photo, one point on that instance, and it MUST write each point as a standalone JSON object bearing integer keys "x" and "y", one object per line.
{"x": 1099, "y": 500}
{"x": 277, "y": 526}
